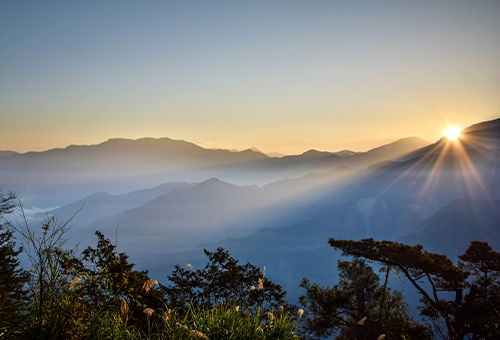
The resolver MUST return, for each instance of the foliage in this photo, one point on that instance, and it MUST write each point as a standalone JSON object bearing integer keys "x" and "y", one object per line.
{"x": 220, "y": 322}
{"x": 223, "y": 280}
{"x": 472, "y": 310}
{"x": 103, "y": 278}
{"x": 358, "y": 307}
{"x": 99, "y": 294}
{"x": 13, "y": 296}
{"x": 108, "y": 325}
{"x": 122, "y": 303}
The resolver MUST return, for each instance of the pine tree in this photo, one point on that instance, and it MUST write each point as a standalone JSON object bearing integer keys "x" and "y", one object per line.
{"x": 464, "y": 296}
{"x": 359, "y": 307}
{"x": 12, "y": 277}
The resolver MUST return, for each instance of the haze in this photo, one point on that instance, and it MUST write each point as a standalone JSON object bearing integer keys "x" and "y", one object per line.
{"x": 279, "y": 76}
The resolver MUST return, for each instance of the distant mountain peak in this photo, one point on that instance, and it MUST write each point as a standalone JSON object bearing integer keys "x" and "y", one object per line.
{"x": 213, "y": 181}
{"x": 146, "y": 140}
{"x": 253, "y": 151}
{"x": 315, "y": 153}
{"x": 345, "y": 153}
{"x": 142, "y": 139}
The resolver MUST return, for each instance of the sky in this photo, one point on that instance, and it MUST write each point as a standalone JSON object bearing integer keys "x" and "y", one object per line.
{"x": 281, "y": 76}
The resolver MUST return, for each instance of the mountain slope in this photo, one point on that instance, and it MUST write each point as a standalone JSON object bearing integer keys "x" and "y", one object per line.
{"x": 140, "y": 153}
{"x": 57, "y": 176}
{"x": 102, "y": 204}
{"x": 184, "y": 218}
{"x": 313, "y": 161}
{"x": 7, "y": 153}
{"x": 451, "y": 229}
{"x": 388, "y": 201}
{"x": 117, "y": 165}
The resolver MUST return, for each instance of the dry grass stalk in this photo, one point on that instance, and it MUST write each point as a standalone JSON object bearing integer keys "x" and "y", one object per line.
{"x": 124, "y": 311}
{"x": 148, "y": 311}
{"x": 166, "y": 315}
{"x": 362, "y": 321}
{"x": 260, "y": 285}
{"x": 200, "y": 335}
{"x": 149, "y": 284}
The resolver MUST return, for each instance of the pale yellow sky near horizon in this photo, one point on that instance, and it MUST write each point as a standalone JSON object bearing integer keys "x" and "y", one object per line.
{"x": 430, "y": 129}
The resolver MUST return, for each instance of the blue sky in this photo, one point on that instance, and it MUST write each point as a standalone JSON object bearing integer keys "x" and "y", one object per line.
{"x": 277, "y": 75}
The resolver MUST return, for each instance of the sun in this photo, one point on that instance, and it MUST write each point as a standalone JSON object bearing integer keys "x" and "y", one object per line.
{"x": 452, "y": 133}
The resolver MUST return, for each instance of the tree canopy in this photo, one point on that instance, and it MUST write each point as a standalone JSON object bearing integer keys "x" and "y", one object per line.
{"x": 223, "y": 280}
{"x": 359, "y": 307}
{"x": 464, "y": 295}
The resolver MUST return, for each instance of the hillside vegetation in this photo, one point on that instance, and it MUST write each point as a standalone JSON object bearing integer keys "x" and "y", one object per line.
{"x": 99, "y": 294}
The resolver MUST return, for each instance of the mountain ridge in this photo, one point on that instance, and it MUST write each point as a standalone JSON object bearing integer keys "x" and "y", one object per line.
{"x": 147, "y": 161}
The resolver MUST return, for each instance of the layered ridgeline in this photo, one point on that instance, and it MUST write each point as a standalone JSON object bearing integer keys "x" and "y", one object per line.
{"x": 443, "y": 197}
{"x": 93, "y": 207}
{"x": 59, "y": 176}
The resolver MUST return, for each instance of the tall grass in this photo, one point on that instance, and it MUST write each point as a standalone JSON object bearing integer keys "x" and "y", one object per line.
{"x": 221, "y": 322}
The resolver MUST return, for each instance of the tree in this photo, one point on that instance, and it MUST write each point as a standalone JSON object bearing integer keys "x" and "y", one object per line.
{"x": 13, "y": 295}
{"x": 472, "y": 309}
{"x": 105, "y": 279}
{"x": 223, "y": 280}
{"x": 358, "y": 307}
{"x": 481, "y": 306}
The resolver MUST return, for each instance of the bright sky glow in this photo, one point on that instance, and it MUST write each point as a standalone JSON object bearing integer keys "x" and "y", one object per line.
{"x": 452, "y": 133}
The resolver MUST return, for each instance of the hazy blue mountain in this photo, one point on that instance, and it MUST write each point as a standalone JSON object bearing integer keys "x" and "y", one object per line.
{"x": 292, "y": 248}
{"x": 392, "y": 150}
{"x": 313, "y": 161}
{"x": 102, "y": 204}
{"x": 387, "y": 201}
{"x": 450, "y": 230}
{"x": 389, "y": 192}
{"x": 133, "y": 153}
{"x": 59, "y": 176}
{"x": 184, "y": 218}
{"x": 7, "y": 153}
